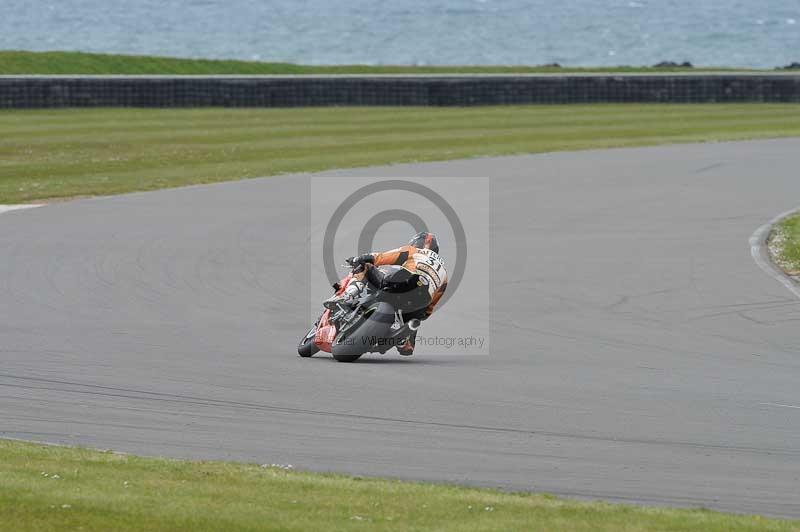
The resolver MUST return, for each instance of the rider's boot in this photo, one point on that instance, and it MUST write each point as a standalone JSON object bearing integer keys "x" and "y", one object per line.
{"x": 348, "y": 296}
{"x": 406, "y": 347}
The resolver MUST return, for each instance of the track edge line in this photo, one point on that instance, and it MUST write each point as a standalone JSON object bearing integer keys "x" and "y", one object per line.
{"x": 760, "y": 253}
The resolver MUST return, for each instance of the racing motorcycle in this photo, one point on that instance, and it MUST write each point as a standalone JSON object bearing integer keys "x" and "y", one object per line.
{"x": 372, "y": 322}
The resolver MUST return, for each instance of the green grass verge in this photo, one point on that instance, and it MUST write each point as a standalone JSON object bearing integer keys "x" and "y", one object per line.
{"x": 52, "y": 154}
{"x": 784, "y": 244}
{"x": 21, "y": 62}
{"x": 59, "y": 488}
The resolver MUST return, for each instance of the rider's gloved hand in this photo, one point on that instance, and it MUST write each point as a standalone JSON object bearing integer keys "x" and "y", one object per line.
{"x": 360, "y": 260}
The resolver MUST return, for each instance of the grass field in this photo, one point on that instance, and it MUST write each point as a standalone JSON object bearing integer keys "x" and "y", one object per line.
{"x": 52, "y": 154}
{"x": 56, "y": 488}
{"x": 784, "y": 244}
{"x": 21, "y": 62}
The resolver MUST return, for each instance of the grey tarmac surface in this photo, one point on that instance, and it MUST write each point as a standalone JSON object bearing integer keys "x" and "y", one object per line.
{"x": 638, "y": 352}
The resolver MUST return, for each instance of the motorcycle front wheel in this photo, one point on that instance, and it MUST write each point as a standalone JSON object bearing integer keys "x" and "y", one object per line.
{"x": 307, "y": 347}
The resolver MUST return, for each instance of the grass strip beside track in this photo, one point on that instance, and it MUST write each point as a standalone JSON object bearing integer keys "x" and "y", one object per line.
{"x": 21, "y": 62}
{"x": 784, "y": 244}
{"x": 49, "y": 154}
{"x": 60, "y": 488}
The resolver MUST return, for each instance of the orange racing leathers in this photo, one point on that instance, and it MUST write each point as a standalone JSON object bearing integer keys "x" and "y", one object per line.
{"x": 420, "y": 261}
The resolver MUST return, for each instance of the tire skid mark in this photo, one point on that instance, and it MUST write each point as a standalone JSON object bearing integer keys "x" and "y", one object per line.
{"x": 128, "y": 393}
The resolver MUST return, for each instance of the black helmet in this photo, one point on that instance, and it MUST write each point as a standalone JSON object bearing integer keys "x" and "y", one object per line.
{"x": 425, "y": 240}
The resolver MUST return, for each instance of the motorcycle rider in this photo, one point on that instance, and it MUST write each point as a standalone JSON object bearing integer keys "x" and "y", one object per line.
{"x": 425, "y": 279}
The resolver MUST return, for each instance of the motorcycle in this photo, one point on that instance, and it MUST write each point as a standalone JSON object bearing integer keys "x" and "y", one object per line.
{"x": 372, "y": 322}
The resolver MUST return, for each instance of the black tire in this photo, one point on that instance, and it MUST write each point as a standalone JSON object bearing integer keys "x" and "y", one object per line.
{"x": 350, "y": 347}
{"x": 307, "y": 347}
{"x": 346, "y": 358}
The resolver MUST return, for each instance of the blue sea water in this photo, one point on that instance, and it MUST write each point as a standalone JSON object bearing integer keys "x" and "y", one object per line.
{"x": 747, "y": 33}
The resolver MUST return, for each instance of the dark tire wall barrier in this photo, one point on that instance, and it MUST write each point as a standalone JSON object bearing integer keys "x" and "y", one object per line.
{"x": 26, "y": 92}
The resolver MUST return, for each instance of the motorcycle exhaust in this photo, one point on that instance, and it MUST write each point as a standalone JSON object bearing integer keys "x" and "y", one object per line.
{"x": 414, "y": 324}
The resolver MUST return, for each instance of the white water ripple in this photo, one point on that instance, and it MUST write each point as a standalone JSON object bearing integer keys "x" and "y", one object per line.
{"x": 749, "y": 33}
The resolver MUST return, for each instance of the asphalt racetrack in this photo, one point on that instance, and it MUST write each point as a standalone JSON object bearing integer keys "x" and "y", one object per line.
{"x": 638, "y": 351}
